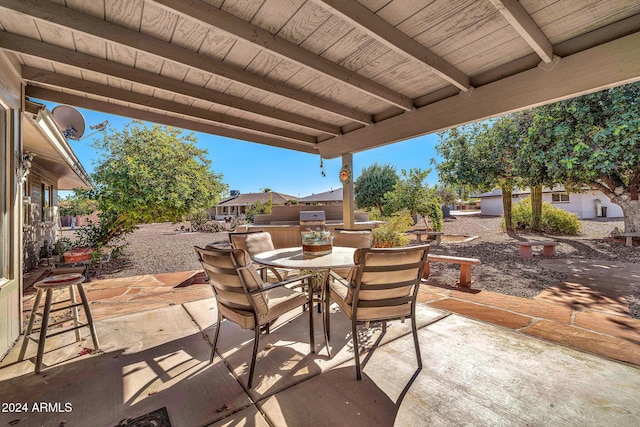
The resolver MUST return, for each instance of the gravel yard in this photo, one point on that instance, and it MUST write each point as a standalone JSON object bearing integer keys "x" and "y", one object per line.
{"x": 161, "y": 248}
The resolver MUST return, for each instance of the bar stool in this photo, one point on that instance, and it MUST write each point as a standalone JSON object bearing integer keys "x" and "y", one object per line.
{"x": 48, "y": 285}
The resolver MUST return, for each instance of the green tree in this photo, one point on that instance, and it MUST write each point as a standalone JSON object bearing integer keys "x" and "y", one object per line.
{"x": 595, "y": 140}
{"x": 77, "y": 204}
{"x": 480, "y": 156}
{"x": 372, "y": 184}
{"x": 150, "y": 174}
{"x": 258, "y": 208}
{"x": 412, "y": 193}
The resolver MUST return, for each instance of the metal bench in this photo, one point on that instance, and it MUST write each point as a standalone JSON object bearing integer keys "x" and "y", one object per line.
{"x": 465, "y": 267}
{"x": 548, "y": 248}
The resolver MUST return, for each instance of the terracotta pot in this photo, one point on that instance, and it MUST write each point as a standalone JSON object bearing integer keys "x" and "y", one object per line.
{"x": 78, "y": 255}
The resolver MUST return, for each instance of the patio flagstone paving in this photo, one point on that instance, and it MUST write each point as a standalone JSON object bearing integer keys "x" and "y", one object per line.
{"x": 154, "y": 331}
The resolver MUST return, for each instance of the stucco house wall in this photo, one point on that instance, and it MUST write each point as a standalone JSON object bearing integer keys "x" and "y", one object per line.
{"x": 582, "y": 204}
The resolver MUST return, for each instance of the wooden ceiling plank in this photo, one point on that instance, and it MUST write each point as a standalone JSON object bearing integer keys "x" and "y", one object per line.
{"x": 270, "y": 16}
{"x": 154, "y": 117}
{"x": 158, "y": 22}
{"x": 147, "y": 62}
{"x": 390, "y": 36}
{"x": 125, "y": 13}
{"x": 38, "y": 49}
{"x": 56, "y": 35}
{"x": 121, "y": 54}
{"x": 12, "y": 23}
{"x": 189, "y": 34}
{"x": 607, "y": 65}
{"x": 133, "y": 39}
{"x": 283, "y": 48}
{"x": 94, "y": 8}
{"x": 520, "y": 20}
{"x": 63, "y": 81}
{"x": 243, "y": 9}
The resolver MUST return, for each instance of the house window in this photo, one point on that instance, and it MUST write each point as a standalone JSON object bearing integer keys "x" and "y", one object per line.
{"x": 47, "y": 205}
{"x": 560, "y": 197}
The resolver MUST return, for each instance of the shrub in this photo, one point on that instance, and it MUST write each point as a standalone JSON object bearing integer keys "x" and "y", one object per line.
{"x": 554, "y": 220}
{"x": 391, "y": 234}
{"x": 258, "y": 208}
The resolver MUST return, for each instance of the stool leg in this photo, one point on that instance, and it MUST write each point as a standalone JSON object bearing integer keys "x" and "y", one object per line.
{"x": 87, "y": 312}
{"x": 43, "y": 329}
{"x": 32, "y": 320}
{"x": 76, "y": 316}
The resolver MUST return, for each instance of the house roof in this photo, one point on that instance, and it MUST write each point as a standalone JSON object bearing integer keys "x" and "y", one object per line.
{"x": 52, "y": 151}
{"x": 327, "y": 196}
{"x": 250, "y": 198}
{"x": 329, "y": 77}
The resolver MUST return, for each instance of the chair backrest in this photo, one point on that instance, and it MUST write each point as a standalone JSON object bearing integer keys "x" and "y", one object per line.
{"x": 352, "y": 238}
{"x": 252, "y": 242}
{"x": 232, "y": 279}
{"x": 387, "y": 277}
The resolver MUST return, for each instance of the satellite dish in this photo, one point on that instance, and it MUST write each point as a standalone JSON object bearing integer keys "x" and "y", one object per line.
{"x": 70, "y": 121}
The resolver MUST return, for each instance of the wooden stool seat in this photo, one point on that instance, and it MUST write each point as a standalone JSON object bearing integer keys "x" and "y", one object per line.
{"x": 74, "y": 282}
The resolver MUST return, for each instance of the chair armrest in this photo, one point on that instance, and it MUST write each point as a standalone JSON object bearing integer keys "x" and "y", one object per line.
{"x": 339, "y": 278}
{"x": 280, "y": 284}
{"x": 273, "y": 270}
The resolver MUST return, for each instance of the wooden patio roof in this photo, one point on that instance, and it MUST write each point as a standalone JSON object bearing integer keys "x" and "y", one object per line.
{"x": 320, "y": 76}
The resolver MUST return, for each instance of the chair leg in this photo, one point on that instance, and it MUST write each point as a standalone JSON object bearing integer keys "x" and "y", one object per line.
{"x": 76, "y": 315}
{"x": 32, "y": 320}
{"x": 215, "y": 337}
{"x": 256, "y": 341}
{"x": 87, "y": 313}
{"x": 415, "y": 340}
{"x": 354, "y": 333}
{"x": 43, "y": 330}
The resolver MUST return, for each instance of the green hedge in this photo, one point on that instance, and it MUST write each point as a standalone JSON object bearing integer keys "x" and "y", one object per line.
{"x": 554, "y": 220}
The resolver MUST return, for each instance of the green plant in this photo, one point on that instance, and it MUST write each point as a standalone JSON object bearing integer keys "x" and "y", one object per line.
{"x": 198, "y": 219}
{"x": 392, "y": 233}
{"x": 553, "y": 220}
{"x": 101, "y": 233}
{"x": 258, "y": 208}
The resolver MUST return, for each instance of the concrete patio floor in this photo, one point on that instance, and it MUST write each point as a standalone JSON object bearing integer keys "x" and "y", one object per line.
{"x": 568, "y": 357}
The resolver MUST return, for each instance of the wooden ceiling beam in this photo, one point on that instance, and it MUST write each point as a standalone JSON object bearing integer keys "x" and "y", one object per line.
{"x": 604, "y": 66}
{"x": 156, "y": 117}
{"x": 34, "y": 48}
{"x": 379, "y": 29}
{"x": 71, "y": 19}
{"x": 236, "y": 27}
{"x": 48, "y": 78}
{"x": 521, "y": 21}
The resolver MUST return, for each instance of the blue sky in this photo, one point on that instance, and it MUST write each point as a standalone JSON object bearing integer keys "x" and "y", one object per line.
{"x": 250, "y": 167}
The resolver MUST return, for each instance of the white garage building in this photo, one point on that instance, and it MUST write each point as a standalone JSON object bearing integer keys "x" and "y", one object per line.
{"x": 588, "y": 204}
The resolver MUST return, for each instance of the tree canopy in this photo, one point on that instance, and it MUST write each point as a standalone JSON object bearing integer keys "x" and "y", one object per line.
{"x": 155, "y": 173}
{"x": 412, "y": 193}
{"x": 591, "y": 140}
{"x": 595, "y": 140}
{"x": 372, "y": 184}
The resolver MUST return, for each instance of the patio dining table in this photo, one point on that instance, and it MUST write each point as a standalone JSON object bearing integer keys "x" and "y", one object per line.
{"x": 340, "y": 257}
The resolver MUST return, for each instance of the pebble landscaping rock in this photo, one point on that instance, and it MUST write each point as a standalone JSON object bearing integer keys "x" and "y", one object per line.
{"x": 162, "y": 248}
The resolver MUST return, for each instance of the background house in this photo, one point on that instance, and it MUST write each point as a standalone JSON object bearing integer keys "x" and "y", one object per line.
{"x": 588, "y": 204}
{"x": 238, "y": 203}
{"x": 332, "y": 197}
